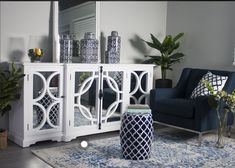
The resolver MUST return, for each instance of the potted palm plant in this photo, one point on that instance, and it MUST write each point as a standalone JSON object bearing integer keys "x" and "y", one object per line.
{"x": 9, "y": 92}
{"x": 167, "y": 58}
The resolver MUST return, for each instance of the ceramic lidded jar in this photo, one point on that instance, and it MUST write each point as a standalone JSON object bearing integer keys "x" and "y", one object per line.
{"x": 112, "y": 55}
{"x": 66, "y": 48}
{"x": 76, "y": 45}
{"x": 89, "y": 48}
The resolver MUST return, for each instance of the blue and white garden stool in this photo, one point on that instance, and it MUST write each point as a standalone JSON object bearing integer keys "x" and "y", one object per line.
{"x": 136, "y": 134}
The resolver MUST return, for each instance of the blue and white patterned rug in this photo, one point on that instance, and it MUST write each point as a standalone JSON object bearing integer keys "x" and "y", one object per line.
{"x": 170, "y": 149}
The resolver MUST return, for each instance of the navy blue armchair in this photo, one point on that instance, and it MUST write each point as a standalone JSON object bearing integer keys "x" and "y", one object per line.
{"x": 174, "y": 107}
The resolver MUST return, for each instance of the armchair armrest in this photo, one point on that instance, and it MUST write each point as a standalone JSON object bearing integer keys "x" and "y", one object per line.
{"x": 202, "y": 105}
{"x": 162, "y": 93}
{"x": 203, "y": 108}
{"x": 167, "y": 93}
{"x": 205, "y": 117}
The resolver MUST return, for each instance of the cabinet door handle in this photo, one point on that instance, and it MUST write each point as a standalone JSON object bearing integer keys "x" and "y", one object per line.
{"x": 101, "y": 94}
{"x": 62, "y": 97}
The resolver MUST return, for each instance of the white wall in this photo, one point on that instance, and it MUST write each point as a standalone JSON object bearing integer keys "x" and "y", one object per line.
{"x": 19, "y": 21}
{"x": 132, "y": 20}
{"x": 209, "y": 29}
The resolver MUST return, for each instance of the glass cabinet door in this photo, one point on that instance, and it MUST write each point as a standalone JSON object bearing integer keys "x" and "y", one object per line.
{"x": 85, "y": 98}
{"x": 46, "y": 99}
{"x": 98, "y": 94}
{"x": 112, "y": 90}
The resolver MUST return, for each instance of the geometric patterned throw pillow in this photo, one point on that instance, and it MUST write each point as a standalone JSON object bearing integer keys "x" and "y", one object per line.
{"x": 217, "y": 82}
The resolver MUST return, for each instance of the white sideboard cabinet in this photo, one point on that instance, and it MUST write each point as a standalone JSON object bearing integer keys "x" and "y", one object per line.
{"x": 63, "y": 101}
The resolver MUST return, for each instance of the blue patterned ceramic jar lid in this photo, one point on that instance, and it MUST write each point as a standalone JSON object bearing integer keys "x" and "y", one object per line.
{"x": 114, "y": 33}
{"x": 89, "y": 35}
{"x": 65, "y": 36}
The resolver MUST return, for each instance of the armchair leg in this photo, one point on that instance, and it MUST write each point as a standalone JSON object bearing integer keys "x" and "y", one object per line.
{"x": 229, "y": 131}
{"x": 200, "y": 139}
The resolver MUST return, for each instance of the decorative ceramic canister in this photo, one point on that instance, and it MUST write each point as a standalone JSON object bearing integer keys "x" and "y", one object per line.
{"x": 112, "y": 55}
{"x": 76, "y": 46}
{"x": 66, "y": 48}
{"x": 89, "y": 48}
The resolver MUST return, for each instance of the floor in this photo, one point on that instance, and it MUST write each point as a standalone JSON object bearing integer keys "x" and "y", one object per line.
{"x": 17, "y": 157}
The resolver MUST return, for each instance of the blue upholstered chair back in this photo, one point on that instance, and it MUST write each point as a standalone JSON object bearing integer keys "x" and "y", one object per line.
{"x": 190, "y": 78}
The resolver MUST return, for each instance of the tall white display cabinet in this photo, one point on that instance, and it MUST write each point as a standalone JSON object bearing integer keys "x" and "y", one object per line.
{"x": 64, "y": 101}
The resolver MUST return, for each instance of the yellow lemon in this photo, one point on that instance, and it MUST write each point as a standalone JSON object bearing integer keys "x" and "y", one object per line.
{"x": 38, "y": 51}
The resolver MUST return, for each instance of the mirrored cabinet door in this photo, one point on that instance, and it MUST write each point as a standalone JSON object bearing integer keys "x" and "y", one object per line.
{"x": 44, "y": 88}
{"x": 112, "y": 89}
{"x": 85, "y": 104}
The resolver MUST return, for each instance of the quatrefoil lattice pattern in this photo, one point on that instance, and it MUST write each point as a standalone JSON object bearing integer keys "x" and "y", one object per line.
{"x": 136, "y": 135}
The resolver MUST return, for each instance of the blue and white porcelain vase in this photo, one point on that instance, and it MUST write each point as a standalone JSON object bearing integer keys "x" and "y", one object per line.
{"x": 66, "y": 49}
{"x": 112, "y": 55}
{"x": 89, "y": 48}
{"x": 76, "y": 46}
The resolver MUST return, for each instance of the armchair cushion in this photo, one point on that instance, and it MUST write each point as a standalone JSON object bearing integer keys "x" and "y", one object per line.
{"x": 184, "y": 108}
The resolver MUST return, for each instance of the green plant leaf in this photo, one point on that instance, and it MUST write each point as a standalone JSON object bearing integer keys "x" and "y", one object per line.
{"x": 166, "y": 44}
{"x": 156, "y": 42}
{"x": 176, "y": 55}
{"x": 178, "y": 36}
{"x": 174, "y": 61}
{"x": 9, "y": 87}
{"x": 151, "y": 45}
{"x": 153, "y": 59}
{"x": 176, "y": 46}
{"x": 149, "y": 61}
{"x": 170, "y": 46}
{"x": 6, "y": 109}
{"x": 166, "y": 48}
{"x": 154, "y": 56}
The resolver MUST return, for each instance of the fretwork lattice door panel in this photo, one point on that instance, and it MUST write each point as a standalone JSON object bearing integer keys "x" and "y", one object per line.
{"x": 45, "y": 99}
{"x": 94, "y": 96}
{"x": 81, "y": 99}
{"x": 140, "y": 85}
{"x": 85, "y": 85}
{"x": 112, "y": 95}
